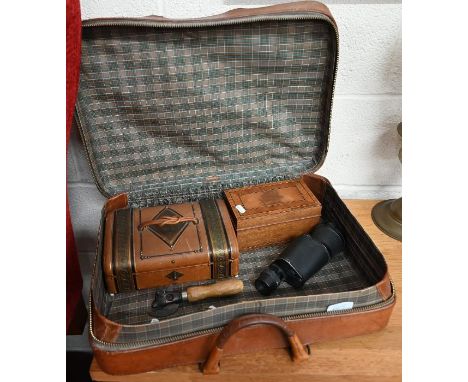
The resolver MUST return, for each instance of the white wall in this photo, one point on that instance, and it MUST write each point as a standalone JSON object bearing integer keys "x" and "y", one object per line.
{"x": 362, "y": 160}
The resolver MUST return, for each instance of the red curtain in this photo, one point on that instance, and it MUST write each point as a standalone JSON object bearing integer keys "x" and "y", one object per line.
{"x": 74, "y": 280}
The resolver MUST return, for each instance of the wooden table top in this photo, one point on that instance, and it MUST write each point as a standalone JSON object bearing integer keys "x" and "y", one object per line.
{"x": 371, "y": 357}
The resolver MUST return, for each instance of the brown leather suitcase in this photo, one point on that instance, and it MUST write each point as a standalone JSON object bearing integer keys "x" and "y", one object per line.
{"x": 175, "y": 111}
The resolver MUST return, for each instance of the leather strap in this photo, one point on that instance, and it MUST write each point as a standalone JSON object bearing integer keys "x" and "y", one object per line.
{"x": 167, "y": 220}
{"x": 298, "y": 353}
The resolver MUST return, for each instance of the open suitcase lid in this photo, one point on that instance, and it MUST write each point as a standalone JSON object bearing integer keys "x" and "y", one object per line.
{"x": 177, "y": 110}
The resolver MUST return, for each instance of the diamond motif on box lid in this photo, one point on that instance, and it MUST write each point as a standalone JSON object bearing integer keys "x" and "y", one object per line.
{"x": 168, "y": 233}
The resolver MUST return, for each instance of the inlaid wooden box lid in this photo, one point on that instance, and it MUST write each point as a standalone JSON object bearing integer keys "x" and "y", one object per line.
{"x": 270, "y": 199}
{"x": 272, "y": 212}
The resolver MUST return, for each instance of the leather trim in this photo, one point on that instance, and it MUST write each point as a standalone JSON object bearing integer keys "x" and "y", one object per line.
{"x": 239, "y": 13}
{"x": 104, "y": 329}
{"x": 116, "y": 202}
{"x": 385, "y": 287}
{"x": 256, "y": 338}
{"x": 317, "y": 184}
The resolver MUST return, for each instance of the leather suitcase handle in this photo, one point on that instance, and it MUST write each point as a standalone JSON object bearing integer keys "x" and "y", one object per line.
{"x": 298, "y": 353}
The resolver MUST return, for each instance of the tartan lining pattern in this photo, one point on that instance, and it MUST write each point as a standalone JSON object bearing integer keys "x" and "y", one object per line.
{"x": 349, "y": 276}
{"x": 338, "y": 276}
{"x": 213, "y": 318}
{"x": 338, "y": 281}
{"x": 171, "y": 115}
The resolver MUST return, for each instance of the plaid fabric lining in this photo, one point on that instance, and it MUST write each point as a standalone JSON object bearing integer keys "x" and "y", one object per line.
{"x": 219, "y": 316}
{"x": 350, "y": 276}
{"x": 339, "y": 281}
{"x": 171, "y": 115}
{"x": 338, "y": 276}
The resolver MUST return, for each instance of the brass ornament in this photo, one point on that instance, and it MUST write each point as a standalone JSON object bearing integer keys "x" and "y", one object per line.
{"x": 387, "y": 215}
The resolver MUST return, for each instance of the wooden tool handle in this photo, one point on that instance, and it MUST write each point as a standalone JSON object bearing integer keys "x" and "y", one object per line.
{"x": 221, "y": 288}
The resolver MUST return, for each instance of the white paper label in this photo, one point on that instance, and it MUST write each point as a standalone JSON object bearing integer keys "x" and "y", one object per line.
{"x": 241, "y": 209}
{"x": 340, "y": 306}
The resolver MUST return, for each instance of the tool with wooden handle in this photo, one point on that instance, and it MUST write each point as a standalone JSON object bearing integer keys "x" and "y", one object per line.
{"x": 167, "y": 302}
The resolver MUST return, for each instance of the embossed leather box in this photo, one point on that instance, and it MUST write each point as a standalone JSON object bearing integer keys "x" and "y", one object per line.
{"x": 272, "y": 213}
{"x": 173, "y": 244}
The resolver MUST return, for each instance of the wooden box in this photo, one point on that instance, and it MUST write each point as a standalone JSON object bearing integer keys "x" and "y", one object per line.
{"x": 272, "y": 213}
{"x": 152, "y": 247}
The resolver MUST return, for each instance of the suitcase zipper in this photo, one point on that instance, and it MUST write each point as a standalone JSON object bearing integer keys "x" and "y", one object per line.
{"x": 181, "y": 24}
{"x": 162, "y": 341}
